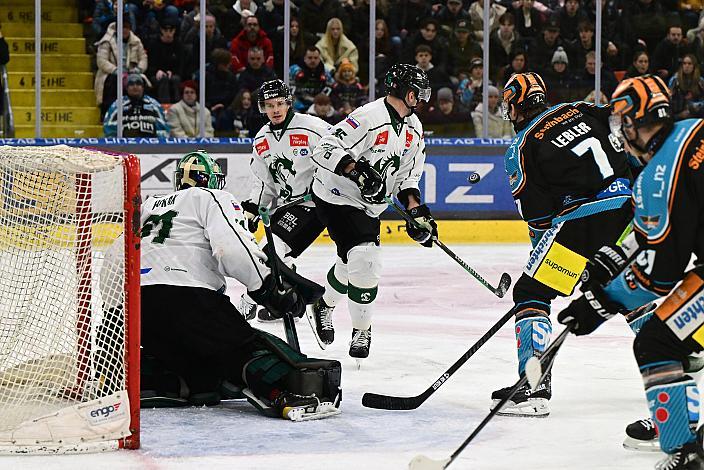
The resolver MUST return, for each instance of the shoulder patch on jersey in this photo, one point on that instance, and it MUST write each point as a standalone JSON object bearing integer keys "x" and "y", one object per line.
{"x": 354, "y": 124}
{"x": 512, "y": 166}
{"x": 298, "y": 140}
{"x": 262, "y": 147}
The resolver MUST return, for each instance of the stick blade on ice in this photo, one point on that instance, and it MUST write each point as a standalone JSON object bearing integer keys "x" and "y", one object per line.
{"x": 421, "y": 462}
{"x": 384, "y": 402}
{"x": 504, "y": 284}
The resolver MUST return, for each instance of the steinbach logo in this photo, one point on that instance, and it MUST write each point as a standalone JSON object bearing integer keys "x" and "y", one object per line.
{"x": 382, "y": 138}
{"x": 555, "y": 121}
{"x": 698, "y": 157}
{"x": 262, "y": 147}
{"x": 298, "y": 140}
{"x": 105, "y": 411}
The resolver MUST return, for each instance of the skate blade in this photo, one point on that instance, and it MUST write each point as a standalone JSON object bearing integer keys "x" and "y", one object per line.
{"x": 641, "y": 446}
{"x": 323, "y": 410}
{"x": 532, "y": 408}
{"x": 421, "y": 462}
{"x": 311, "y": 321}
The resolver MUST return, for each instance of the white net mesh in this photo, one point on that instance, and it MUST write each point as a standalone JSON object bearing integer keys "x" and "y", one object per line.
{"x": 62, "y": 268}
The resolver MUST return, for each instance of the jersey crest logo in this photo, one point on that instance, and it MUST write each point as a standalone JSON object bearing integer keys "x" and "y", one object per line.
{"x": 298, "y": 140}
{"x": 409, "y": 139}
{"x": 382, "y": 138}
{"x": 281, "y": 168}
{"x": 388, "y": 166}
{"x": 340, "y": 134}
{"x": 262, "y": 147}
{"x": 354, "y": 124}
{"x": 650, "y": 221}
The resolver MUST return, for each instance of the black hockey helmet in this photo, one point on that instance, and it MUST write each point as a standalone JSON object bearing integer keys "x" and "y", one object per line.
{"x": 402, "y": 78}
{"x": 273, "y": 89}
{"x": 198, "y": 169}
{"x": 638, "y": 102}
{"x": 525, "y": 91}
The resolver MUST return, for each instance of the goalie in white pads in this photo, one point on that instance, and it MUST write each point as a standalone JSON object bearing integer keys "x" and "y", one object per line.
{"x": 283, "y": 172}
{"x": 197, "y": 348}
{"x": 378, "y": 151}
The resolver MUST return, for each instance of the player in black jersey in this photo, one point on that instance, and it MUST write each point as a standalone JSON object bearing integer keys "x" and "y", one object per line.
{"x": 571, "y": 183}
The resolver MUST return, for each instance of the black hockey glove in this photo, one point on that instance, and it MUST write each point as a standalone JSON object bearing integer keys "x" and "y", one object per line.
{"x": 369, "y": 181}
{"x": 424, "y": 228}
{"x": 279, "y": 300}
{"x": 589, "y": 311}
{"x": 251, "y": 212}
{"x": 604, "y": 265}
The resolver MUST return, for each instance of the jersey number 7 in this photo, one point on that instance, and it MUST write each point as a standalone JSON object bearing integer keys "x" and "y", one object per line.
{"x": 600, "y": 157}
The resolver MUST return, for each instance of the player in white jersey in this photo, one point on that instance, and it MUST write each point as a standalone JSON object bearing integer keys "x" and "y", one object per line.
{"x": 378, "y": 151}
{"x": 196, "y": 346}
{"x": 283, "y": 171}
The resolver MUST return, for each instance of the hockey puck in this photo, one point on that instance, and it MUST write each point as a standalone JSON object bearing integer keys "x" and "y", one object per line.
{"x": 474, "y": 178}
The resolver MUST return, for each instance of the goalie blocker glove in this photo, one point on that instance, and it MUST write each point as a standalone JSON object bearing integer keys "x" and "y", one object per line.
{"x": 425, "y": 228}
{"x": 368, "y": 180}
{"x": 251, "y": 211}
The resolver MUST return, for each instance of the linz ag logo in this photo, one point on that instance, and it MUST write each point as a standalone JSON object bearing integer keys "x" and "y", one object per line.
{"x": 105, "y": 411}
{"x": 262, "y": 147}
{"x": 298, "y": 140}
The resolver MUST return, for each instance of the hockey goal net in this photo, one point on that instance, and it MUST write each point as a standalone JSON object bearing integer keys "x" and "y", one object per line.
{"x": 69, "y": 300}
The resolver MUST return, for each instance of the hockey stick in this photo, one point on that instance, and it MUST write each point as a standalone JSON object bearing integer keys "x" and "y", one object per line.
{"x": 421, "y": 462}
{"x": 289, "y": 325}
{"x": 386, "y": 402}
{"x": 291, "y": 203}
{"x": 504, "y": 282}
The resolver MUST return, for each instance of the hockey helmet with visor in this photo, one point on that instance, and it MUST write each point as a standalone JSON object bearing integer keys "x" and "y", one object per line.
{"x": 273, "y": 89}
{"x": 402, "y": 78}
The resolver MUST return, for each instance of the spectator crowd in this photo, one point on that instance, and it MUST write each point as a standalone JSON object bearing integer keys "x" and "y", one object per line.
{"x": 329, "y": 48}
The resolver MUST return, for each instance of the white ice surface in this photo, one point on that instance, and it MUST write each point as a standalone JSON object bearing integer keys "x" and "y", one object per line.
{"x": 429, "y": 312}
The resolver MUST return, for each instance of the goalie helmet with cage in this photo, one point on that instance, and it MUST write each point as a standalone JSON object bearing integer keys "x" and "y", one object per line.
{"x": 402, "y": 78}
{"x": 198, "y": 169}
{"x": 639, "y": 102}
{"x": 526, "y": 91}
{"x": 273, "y": 89}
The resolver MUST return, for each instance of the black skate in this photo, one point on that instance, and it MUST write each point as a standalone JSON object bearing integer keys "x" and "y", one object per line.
{"x": 687, "y": 457}
{"x": 320, "y": 318}
{"x": 247, "y": 308}
{"x": 642, "y": 435}
{"x": 359, "y": 346}
{"x": 525, "y": 402}
{"x": 263, "y": 316}
{"x": 302, "y": 407}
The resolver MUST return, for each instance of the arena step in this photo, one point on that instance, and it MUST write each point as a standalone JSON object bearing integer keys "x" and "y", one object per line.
{"x": 24, "y": 13}
{"x": 51, "y": 80}
{"x": 49, "y": 45}
{"x": 60, "y": 131}
{"x": 49, "y": 30}
{"x": 84, "y": 116}
{"x": 53, "y": 98}
{"x": 50, "y": 63}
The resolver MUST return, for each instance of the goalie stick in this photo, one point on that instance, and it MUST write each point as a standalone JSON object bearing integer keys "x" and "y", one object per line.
{"x": 289, "y": 324}
{"x": 421, "y": 462}
{"x": 504, "y": 282}
{"x": 386, "y": 402}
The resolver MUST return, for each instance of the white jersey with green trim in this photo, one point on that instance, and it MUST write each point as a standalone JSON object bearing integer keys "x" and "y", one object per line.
{"x": 393, "y": 146}
{"x": 281, "y": 159}
{"x": 197, "y": 236}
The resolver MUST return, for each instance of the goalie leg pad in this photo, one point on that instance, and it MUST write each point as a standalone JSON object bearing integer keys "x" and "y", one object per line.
{"x": 364, "y": 267}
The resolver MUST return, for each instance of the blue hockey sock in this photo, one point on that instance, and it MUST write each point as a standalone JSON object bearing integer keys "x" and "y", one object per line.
{"x": 533, "y": 329}
{"x": 673, "y": 399}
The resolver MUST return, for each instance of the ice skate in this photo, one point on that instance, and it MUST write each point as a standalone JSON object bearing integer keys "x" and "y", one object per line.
{"x": 525, "y": 402}
{"x": 642, "y": 435}
{"x": 303, "y": 407}
{"x": 359, "y": 346}
{"x": 320, "y": 318}
{"x": 687, "y": 457}
{"x": 263, "y": 316}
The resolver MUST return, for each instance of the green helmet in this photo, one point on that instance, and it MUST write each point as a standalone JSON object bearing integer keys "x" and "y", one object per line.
{"x": 198, "y": 169}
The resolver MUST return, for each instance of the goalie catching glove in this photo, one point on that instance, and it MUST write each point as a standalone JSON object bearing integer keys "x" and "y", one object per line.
{"x": 367, "y": 179}
{"x": 251, "y": 212}
{"x": 424, "y": 229}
